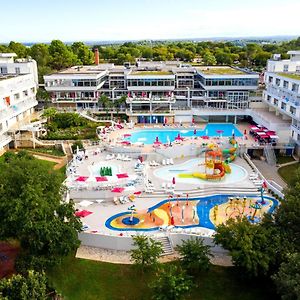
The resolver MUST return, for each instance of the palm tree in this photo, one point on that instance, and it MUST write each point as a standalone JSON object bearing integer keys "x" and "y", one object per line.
{"x": 119, "y": 102}
{"x": 49, "y": 113}
{"x": 105, "y": 102}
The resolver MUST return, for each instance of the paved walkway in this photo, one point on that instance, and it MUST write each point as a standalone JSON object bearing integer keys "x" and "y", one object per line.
{"x": 269, "y": 172}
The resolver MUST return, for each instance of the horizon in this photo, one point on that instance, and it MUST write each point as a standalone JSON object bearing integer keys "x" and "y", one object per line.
{"x": 146, "y": 20}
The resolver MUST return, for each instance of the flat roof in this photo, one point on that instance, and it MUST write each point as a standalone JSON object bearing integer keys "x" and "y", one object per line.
{"x": 8, "y": 54}
{"x": 290, "y": 75}
{"x": 141, "y": 73}
{"x": 215, "y": 70}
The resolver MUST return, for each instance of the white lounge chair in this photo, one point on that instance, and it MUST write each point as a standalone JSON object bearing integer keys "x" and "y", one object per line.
{"x": 171, "y": 161}
{"x": 163, "y": 185}
{"x": 163, "y": 162}
{"x": 167, "y": 162}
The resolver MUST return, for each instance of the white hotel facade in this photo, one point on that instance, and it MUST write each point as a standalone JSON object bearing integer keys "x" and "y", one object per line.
{"x": 282, "y": 93}
{"x": 18, "y": 87}
{"x": 153, "y": 90}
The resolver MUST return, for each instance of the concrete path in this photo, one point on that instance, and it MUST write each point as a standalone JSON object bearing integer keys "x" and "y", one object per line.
{"x": 269, "y": 172}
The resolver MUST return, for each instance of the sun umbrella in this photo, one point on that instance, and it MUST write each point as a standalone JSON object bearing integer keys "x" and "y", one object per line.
{"x": 127, "y": 135}
{"x": 205, "y": 137}
{"x": 101, "y": 178}
{"x": 173, "y": 180}
{"x": 220, "y": 132}
{"x": 122, "y": 175}
{"x": 117, "y": 190}
{"x": 85, "y": 203}
{"x": 195, "y": 131}
{"x": 82, "y": 178}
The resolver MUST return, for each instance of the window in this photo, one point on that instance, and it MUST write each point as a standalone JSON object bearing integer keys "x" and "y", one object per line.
{"x": 270, "y": 79}
{"x": 17, "y": 70}
{"x": 285, "y": 84}
{"x": 3, "y": 70}
{"x": 297, "y": 69}
{"x": 295, "y": 87}
{"x": 285, "y": 68}
{"x": 277, "y": 81}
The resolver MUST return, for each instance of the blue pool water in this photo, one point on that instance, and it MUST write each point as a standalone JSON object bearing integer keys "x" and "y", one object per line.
{"x": 168, "y": 172}
{"x": 148, "y": 136}
{"x": 204, "y": 206}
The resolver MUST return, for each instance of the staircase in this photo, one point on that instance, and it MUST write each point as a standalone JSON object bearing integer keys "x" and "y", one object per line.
{"x": 166, "y": 245}
{"x": 270, "y": 155}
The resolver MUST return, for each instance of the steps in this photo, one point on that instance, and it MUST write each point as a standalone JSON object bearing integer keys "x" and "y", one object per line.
{"x": 166, "y": 245}
{"x": 270, "y": 155}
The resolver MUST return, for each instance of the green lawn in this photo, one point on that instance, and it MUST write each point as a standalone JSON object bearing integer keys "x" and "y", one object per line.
{"x": 89, "y": 280}
{"x": 51, "y": 151}
{"x": 284, "y": 159}
{"x": 220, "y": 71}
{"x": 288, "y": 172}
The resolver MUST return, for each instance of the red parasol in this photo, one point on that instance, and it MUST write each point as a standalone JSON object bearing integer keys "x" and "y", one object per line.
{"x": 117, "y": 190}
{"x": 122, "y": 175}
{"x": 82, "y": 178}
{"x": 101, "y": 178}
{"x": 173, "y": 180}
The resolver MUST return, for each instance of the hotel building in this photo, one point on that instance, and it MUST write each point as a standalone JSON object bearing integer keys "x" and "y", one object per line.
{"x": 282, "y": 93}
{"x": 154, "y": 90}
{"x": 18, "y": 86}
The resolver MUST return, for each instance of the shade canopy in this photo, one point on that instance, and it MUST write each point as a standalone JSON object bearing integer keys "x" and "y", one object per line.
{"x": 123, "y": 175}
{"x": 81, "y": 178}
{"x": 117, "y": 190}
{"x": 82, "y": 213}
{"x": 101, "y": 178}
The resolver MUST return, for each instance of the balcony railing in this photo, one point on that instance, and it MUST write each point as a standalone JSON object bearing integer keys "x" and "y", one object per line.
{"x": 150, "y": 100}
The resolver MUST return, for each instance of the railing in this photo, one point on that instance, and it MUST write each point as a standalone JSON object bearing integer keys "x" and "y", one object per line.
{"x": 276, "y": 188}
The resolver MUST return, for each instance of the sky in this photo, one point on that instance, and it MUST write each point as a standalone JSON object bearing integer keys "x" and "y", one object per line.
{"x": 101, "y": 20}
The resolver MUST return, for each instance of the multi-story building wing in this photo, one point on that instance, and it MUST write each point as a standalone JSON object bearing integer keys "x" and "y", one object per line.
{"x": 18, "y": 86}
{"x": 282, "y": 93}
{"x": 154, "y": 90}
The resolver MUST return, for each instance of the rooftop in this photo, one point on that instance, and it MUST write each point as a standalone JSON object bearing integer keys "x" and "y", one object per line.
{"x": 220, "y": 70}
{"x": 290, "y": 75}
{"x": 141, "y": 73}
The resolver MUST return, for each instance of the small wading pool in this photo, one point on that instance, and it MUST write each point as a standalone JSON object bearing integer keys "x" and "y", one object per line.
{"x": 167, "y": 173}
{"x": 197, "y": 212}
{"x": 148, "y": 136}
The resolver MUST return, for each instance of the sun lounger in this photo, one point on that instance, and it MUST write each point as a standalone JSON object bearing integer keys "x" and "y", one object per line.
{"x": 171, "y": 161}
{"x": 163, "y": 185}
{"x": 163, "y": 162}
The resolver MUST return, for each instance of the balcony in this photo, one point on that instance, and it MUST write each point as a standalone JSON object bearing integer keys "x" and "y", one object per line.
{"x": 170, "y": 99}
{"x": 17, "y": 109}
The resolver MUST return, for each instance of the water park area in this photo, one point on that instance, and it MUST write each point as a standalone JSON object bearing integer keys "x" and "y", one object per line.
{"x": 166, "y": 180}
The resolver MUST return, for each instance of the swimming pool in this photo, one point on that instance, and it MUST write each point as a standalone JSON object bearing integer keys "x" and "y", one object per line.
{"x": 167, "y": 173}
{"x": 204, "y": 207}
{"x": 164, "y": 135}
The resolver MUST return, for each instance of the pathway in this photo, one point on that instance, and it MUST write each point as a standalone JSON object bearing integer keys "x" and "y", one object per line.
{"x": 269, "y": 172}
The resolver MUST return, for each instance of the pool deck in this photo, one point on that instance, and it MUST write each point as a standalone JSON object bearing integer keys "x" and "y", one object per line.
{"x": 104, "y": 210}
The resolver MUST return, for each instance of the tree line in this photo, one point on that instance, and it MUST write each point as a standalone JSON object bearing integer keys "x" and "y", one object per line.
{"x": 57, "y": 55}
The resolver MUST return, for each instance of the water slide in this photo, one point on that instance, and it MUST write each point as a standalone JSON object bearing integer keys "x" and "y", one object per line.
{"x": 231, "y": 151}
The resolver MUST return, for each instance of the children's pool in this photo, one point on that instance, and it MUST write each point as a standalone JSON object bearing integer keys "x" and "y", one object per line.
{"x": 164, "y": 135}
{"x": 167, "y": 173}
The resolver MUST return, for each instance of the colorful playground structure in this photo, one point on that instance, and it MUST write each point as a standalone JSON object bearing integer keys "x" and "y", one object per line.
{"x": 207, "y": 212}
{"x": 215, "y": 166}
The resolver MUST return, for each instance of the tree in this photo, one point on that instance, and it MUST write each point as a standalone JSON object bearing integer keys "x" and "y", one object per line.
{"x": 32, "y": 212}
{"x": 146, "y": 252}
{"x": 40, "y": 53}
{"x": 119, "y": 102}
{"x": 49, "y": 113}
{"x": 61, "y": 55}
{"x": 287, "y": 217}
{"x": 209, "y": 59}
{"x": 171, "y": 283}
{"x": 106, "y": 103}
{"x": 18, "y": 287}
{"x": 253, "y": 247}
{"x": 19, "y": 49}
{"x": 287, "y": 279}
{"x": 83, "y": 52}
{"x": 194, "y": 255}
{"x": 43, "y": 95}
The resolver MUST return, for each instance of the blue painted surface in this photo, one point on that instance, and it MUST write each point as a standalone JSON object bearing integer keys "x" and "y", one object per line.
{"x": 204, "y": 206}
{"x": 148, "y": 136}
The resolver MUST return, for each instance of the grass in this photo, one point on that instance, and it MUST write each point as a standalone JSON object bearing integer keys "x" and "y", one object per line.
{"x": 290, "y": 75}
{"x": 151, "y": 73}
{"x": 288, "y": 172}
{"x": 90, "y": 280}
{"x": 284, "y": 159}
{"x": 51, "y": 151}
{"x": 220, "y": 71}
